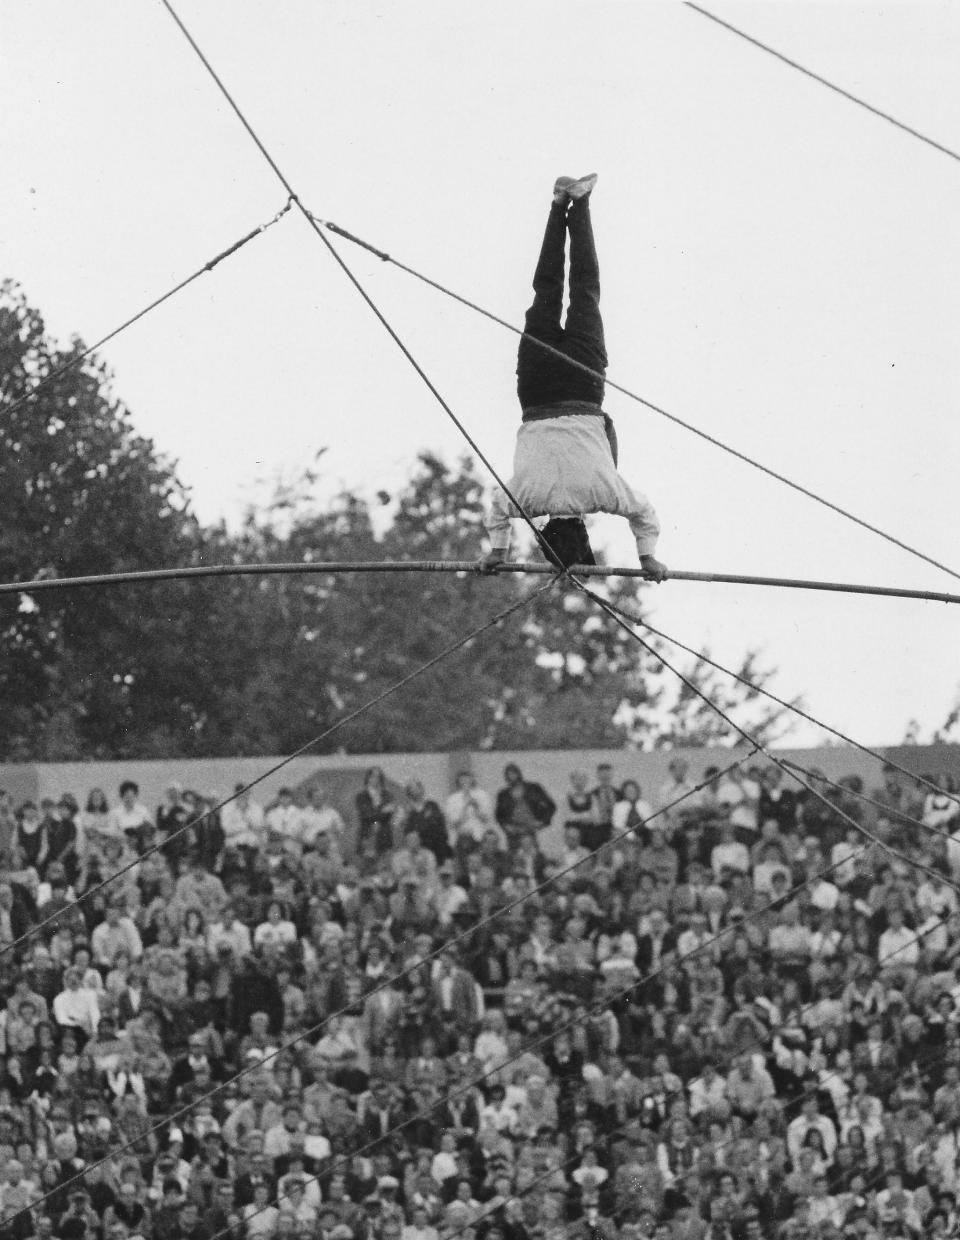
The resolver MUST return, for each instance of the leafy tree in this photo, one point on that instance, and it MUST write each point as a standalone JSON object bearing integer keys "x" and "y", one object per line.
{"x": 686, "y": 720}
{"x": 949, "y": 728}
{"x": 83, "y": 493}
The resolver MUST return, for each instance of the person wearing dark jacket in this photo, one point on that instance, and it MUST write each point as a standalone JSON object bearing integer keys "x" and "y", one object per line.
{"x": 659, "y": 942}
{"x": 254, "y": 989}
{"x": 523, "y": 807}
{"x": 376, "y": 807}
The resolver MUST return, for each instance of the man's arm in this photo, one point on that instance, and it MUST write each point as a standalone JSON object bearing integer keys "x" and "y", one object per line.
{"x": 498, "y": 530}
{"x": 645, "y": 527}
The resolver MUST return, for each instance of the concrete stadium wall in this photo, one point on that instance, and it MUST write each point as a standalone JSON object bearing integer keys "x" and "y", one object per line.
{"x": 343, "y": 773}
{"x": 208, "y": 776}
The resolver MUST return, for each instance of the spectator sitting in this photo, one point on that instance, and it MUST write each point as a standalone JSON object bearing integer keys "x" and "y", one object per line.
{"x": 131, "y": 819}
{"x": 630, "y": 811}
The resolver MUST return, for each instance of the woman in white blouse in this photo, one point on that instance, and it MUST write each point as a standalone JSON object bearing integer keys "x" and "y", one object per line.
{"x": 277, "y": 931}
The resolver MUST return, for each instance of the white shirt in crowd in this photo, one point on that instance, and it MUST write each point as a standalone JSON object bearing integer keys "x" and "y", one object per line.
{"x": 732, "y": 856}
{"x": 841, "y": 855}
{"x": 824, "y": 895}
{"x": 742, "y": 799}
{"x": 317, "y": 820}
{"x": 469, "y": 813}
{"x": 236, "y": 936}
{"x": 936, "y": 899}
{"x": 286, "y": 820}
{"x": 705, "y": 1094}
{"x": 448, "y": 900}
{"x": 620, "y": 818}
{"x": 78, "y": 1009}
{"x": 242, "y": 824}
{"x": 898, "y": 947}
{"x": 121, "y": 819}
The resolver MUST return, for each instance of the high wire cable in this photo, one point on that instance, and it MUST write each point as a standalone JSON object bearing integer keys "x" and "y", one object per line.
{"x": 278, "y": 766}
{"x": 74, "y": 361}
{"x": 671, "y": 962}
{"x": 752, "y": 740}
{"x": 839, "y": 90}
{"x": 315, "y": 567}
{"x": 702, "y": 656}
{"x": 253, "y": 1068}
{"x": 642, "y": 400}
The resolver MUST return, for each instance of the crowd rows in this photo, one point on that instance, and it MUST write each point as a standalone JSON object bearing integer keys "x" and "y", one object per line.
{"x": 712, "y": 1011}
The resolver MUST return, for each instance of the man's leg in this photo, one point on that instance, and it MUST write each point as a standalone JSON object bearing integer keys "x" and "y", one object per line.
{"x": 583, "y": 330}
{"x": 536, "y": 367}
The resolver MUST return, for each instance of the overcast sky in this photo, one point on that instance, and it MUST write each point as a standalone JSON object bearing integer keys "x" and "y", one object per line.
{"x": 779, "y": 267}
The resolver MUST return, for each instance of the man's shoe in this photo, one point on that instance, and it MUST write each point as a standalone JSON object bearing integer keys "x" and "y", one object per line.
{"x": 560, "y": 188}
{"x": 582, "y": 187}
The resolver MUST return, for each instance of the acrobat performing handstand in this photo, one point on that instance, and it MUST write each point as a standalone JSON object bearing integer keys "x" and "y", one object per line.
{"x": 565, "y": 460}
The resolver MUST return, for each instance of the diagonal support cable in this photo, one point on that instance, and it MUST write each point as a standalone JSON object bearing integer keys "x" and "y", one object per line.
{"x": 702, "y": 657}
{"x": 341, "y": 263}
{"x": 752, "y": 740}
{"x": 839, "y": 90}
{"x": 135, "y": 318}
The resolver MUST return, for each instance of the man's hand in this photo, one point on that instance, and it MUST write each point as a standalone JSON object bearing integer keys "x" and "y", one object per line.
{"x": 653, "y": 568}
{"x": 489, "y": 563}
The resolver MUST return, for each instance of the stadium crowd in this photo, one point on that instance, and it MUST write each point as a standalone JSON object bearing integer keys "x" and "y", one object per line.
{"x": 668, "y": 1041}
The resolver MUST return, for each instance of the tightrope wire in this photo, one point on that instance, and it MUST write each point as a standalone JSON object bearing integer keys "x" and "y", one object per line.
{"x": 308, "y": 568}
